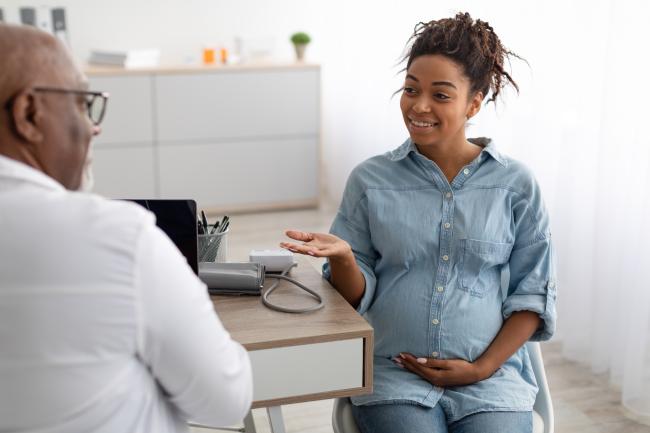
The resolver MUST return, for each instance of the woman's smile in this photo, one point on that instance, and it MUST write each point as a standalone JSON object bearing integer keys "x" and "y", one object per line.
{"x": 421, "y": 126}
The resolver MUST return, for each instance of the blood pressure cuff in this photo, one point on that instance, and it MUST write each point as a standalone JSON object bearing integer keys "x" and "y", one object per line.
{"x": 232, "y": 278}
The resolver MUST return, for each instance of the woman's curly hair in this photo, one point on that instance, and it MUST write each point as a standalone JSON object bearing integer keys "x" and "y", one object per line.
{"x": 471, "y": 44}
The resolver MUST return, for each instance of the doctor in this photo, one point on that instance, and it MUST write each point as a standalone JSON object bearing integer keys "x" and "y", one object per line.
{"x": 103, "y": 325}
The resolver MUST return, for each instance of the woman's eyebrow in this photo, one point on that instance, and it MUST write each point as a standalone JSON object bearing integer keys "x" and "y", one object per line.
{"x": 435, "y": 83}
{"x": 443, "y": 83}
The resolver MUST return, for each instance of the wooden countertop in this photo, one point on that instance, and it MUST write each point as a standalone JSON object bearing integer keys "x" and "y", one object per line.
{"x": 98, "y": 71}
{"x": 257, "y": 327}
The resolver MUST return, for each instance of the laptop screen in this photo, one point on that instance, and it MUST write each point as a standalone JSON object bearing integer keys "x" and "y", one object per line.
{"x": 177, "y": 218}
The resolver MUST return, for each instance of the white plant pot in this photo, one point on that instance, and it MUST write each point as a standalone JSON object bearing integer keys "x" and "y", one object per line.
{"x": 300, "y": 51}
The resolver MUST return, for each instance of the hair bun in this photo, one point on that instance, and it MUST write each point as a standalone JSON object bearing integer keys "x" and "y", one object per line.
{"x": 472, "y": 44}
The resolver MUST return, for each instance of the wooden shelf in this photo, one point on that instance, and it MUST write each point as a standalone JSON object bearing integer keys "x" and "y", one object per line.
{"x": 99, "y": 71}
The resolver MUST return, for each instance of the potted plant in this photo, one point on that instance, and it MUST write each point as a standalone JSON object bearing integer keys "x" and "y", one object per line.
{"x": 300, "y": 41}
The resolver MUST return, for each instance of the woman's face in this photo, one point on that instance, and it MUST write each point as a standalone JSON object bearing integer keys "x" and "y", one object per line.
{"x": 435, "y": 101}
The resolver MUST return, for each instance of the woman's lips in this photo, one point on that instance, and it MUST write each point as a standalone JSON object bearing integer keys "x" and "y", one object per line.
{"x": 422, "y": 125}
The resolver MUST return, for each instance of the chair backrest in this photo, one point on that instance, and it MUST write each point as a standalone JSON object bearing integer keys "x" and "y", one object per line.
{"x": 543, "y": 404}
{"x": 343, "y": 422}
{"x": 342, "y": 419}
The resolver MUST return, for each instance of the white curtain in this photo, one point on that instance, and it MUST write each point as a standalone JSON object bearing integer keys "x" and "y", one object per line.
{"x": 601, "y": 209}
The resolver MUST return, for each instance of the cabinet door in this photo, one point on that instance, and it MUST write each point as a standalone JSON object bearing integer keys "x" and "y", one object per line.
{"x": 124, "y": 172}
{"x": 239, "y": 174}
{"x": 219, "y": 106}
{"x": 129, "y": 113}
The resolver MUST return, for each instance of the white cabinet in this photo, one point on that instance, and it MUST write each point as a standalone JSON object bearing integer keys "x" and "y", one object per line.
{"x": 129, "y": 115}
{"x": 232, "y": 138}
{"x": 237, "y": 105}
{"x": 241, "y": 173}
{"x": 125, "y": 172}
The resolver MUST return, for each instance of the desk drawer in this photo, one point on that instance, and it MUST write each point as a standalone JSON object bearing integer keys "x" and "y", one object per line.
{"x": 321, "y": 368}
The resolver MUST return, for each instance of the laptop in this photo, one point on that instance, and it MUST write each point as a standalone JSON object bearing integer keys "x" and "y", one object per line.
{"x": 177, "y": 218}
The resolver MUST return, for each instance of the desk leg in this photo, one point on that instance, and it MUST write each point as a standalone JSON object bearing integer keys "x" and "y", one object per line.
{"x": 249, "y": 423}
{"x": 275, "y": 419}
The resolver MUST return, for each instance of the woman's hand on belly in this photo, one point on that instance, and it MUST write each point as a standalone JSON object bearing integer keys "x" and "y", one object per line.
{"x": 441, "y": 372}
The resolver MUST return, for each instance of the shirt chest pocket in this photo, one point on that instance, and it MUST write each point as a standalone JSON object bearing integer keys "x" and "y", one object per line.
{"x": 480, "y": 263}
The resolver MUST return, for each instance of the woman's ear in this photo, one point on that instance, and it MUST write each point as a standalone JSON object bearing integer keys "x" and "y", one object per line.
{"x": 474, "y": 105}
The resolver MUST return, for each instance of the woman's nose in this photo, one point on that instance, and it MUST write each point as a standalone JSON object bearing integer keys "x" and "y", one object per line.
{"x": 421, "y": 106}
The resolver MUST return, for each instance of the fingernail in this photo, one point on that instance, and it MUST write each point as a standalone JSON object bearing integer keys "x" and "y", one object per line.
{"x": 402, "y": 356}
{"x": 422, "y": 360}
{"x": 397, "y": 360}
{"x": 311, "y": 253}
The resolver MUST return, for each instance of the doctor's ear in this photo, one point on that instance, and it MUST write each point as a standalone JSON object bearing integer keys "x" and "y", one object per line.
{"x": 25, "y": 112}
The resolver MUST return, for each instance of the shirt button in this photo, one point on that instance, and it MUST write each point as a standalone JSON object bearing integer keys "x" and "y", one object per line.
{"x": 440, "y": 288}
{"x": 448, "y": 195}
{"x": 445, "y": 257}
{"x": 447, "y": 225}
{"x": 435, "y": 321}
{"x": 466, "y": 171}
{"x": 435, "y": 354}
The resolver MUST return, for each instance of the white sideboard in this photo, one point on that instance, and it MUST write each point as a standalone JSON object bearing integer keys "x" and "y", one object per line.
{"x": 232, "y": 138}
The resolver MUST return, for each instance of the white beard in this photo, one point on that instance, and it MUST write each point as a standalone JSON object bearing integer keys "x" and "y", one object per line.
{"x": 87, "y": 178}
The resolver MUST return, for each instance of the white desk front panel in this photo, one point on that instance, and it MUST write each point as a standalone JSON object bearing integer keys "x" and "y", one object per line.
{"x": 307, "y": 369}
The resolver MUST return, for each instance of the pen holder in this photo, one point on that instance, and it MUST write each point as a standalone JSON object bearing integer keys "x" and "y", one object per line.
{"x": 214, "y": 247}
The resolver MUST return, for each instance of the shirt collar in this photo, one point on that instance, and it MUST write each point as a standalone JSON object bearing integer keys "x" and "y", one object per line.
{"x": 12, "y": 169}
{"x": 487, "y": 143}
{"x": 489, "y": 148}
{"x": 402, "y": 152}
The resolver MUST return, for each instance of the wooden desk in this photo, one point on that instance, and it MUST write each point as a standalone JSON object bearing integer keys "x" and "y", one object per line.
{"x": 301, "y": 357}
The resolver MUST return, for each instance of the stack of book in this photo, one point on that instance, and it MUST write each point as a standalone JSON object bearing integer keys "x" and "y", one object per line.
{"x": 125, "y": 59}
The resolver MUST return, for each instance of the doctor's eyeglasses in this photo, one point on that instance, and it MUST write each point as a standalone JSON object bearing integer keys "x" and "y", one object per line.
{"x": 95, "y": 101}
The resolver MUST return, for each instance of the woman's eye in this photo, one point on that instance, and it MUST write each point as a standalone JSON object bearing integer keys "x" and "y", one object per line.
{"x": 441, "y": 96}
{"x": 409, "y": 90}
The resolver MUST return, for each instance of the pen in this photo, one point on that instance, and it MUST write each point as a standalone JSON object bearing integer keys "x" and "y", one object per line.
{"x": 222, "y": 228}
{"x": 205, "y": 221}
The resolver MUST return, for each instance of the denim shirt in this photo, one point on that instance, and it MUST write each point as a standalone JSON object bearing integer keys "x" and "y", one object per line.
{"x": 445, "y": 265}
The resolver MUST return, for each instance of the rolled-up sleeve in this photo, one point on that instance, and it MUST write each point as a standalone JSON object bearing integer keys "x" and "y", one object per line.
{"x": 533, "y": 285}
{"x": 351, "y": 225}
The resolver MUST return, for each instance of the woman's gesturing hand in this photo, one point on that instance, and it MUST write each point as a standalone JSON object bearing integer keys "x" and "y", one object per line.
{"x": 346, "y": 276}
{"x": 442, "y": 372}
{"x": 317, "y": 244}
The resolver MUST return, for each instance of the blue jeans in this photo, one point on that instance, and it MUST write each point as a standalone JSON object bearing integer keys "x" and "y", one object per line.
{"x": 410, "y": 418}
